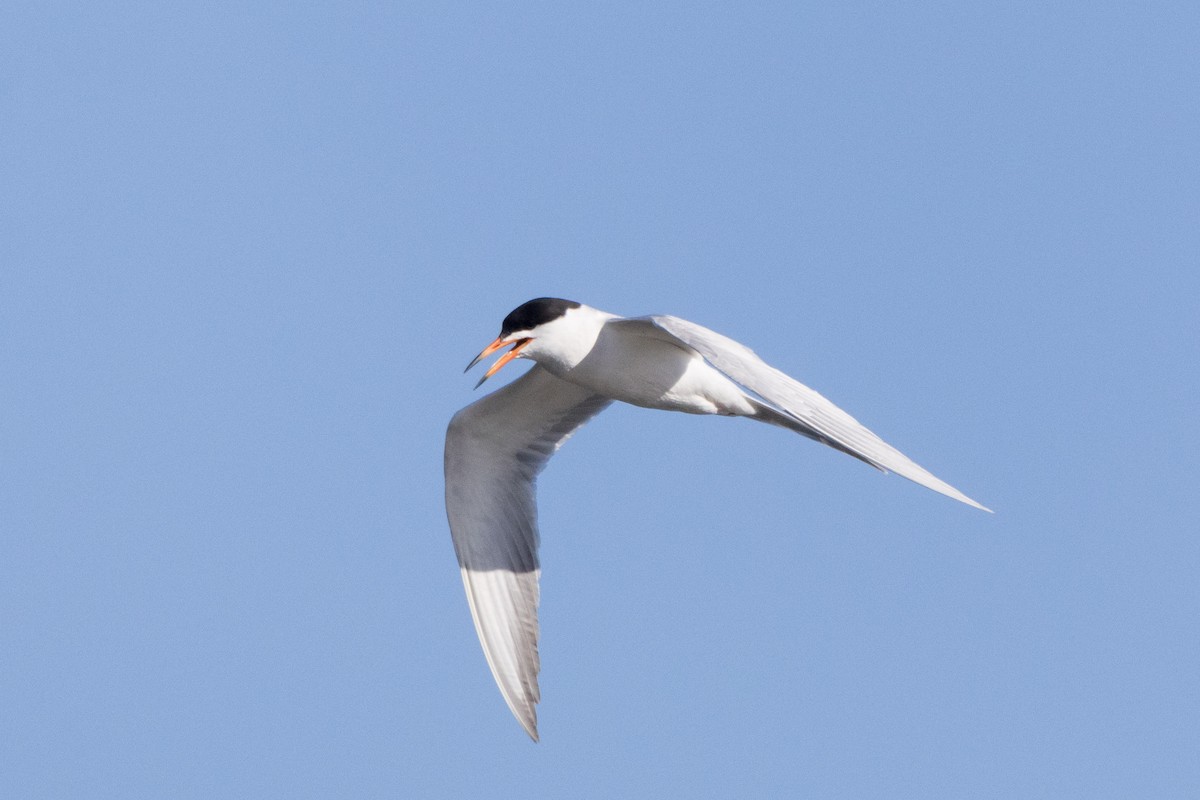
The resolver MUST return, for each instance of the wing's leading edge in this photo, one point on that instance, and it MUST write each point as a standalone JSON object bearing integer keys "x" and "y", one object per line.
{"x": 495, "y": 449}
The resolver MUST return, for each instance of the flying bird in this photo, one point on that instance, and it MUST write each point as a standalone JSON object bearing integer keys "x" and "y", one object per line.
{"x": 585, "y": 359}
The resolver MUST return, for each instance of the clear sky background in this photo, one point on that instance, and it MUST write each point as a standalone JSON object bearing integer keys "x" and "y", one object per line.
{"x": 245, "y": 254}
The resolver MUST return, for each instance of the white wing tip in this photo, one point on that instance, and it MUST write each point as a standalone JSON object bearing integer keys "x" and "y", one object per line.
{"x": 955, "y": 494}
{"x": 923, "y": 477}
{"x": 980, "y": 506}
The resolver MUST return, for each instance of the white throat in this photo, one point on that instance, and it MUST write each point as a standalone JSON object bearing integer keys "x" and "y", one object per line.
{"x": 561, "y": 344}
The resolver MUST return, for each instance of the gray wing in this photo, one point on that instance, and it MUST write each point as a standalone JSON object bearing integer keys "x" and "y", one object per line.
{"x": 815, "y": 416}
{"x": 495, "y": 449}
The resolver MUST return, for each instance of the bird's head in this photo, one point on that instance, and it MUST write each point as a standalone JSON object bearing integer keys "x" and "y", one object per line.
{"x": 527, "y": 327}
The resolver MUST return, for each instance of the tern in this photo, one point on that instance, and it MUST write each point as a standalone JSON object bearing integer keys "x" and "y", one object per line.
{"x": 585, "y": 359}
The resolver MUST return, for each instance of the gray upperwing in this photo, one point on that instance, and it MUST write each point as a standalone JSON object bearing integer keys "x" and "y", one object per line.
{"x": 495, "y": 449}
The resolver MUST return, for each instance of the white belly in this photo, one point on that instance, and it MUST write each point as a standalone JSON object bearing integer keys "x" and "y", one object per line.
{"x": 652, "y": 373}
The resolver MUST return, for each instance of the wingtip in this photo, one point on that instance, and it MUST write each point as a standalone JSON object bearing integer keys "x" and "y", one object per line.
{"x": 974, "y": 504}
{"x": 955, "y": 494}
{"x": 529, "y": 723}
{"x": 941, "y": 487}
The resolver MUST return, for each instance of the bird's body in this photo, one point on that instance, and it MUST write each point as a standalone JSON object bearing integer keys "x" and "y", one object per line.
{"x": 628, "y": 363}
{"x": 587, "y": 358}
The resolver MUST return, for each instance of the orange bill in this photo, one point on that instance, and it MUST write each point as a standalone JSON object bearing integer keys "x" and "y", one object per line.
{"x": 504, "y": 359}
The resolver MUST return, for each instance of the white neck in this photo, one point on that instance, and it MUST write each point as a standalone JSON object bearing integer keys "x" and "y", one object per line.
{"x": 560, "y": 345}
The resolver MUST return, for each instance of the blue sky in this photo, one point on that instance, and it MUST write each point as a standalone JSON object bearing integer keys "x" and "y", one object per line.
{"x": 246, "y": 252}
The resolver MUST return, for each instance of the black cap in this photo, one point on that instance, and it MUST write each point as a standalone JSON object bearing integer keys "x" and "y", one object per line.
{"x": 536, "y": 312}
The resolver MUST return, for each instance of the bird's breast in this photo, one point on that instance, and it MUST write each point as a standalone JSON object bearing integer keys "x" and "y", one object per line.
{"x": 648, "y": 372}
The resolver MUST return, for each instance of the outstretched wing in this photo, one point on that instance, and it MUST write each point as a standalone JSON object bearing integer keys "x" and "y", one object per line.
{"x": 820, "y": 418}
{"x": 495, "y": 449}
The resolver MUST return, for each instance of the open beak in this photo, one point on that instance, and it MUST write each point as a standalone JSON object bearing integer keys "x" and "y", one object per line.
{"x": 504, "y": 359}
